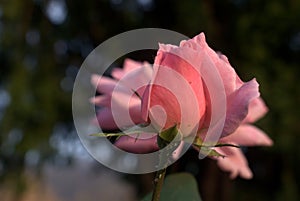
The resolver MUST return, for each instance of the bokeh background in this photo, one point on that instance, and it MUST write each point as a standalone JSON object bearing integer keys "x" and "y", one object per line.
{"x": 42, "y": 46}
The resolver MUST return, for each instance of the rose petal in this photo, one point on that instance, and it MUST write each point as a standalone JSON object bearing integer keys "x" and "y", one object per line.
{"x": 257, "y": 109}
{"x": 130, "y": 64}
{"x": 126, "y": 113}
{"x": 138, "y": 146}
{"x": 228, "y": 74}
{"x": 121, "y": 115}
{"x": 177, "y": 88}
{"x": 248, "y": 135}
{"x": 137, "y": 79}
{"x": 237, "y": 105}
{"x": 101, "y": 100}
{"x": 106, "y": 120}
{"x": 234, "y": 162}
{"x": 103, "y": 84}
{"x": 117, "y": 73}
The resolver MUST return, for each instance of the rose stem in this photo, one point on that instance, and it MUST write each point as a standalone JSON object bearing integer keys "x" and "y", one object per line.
{"x": 158, "y": 183}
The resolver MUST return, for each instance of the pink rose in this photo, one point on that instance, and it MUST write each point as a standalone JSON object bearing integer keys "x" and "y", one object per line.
{"x": 175, "y": 75}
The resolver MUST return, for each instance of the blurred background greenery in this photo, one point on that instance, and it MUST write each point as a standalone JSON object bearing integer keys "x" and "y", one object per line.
{"x": 43, "y": 44}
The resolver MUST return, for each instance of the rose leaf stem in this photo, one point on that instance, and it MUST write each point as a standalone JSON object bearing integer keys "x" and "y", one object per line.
{"x": 158, "y": 184}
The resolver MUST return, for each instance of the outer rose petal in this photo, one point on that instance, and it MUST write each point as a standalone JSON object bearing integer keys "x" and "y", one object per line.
{"x": 117, "y": 73}
{"x": 105, "y": 119}
{"x": 138, "y": 146}
{"x": 257, "y": 109}
{"x": 135, "y": 80}
{"x": 101, "y": 100}
{"x": 234, "y": 162}
{"x": 104, "y": 85}
{"x": 228, "y": 74}
{"x": 143, "y": 146}
{"x": 237, "y": 106}
{"x": 128, "y": 66}
{"x": 248, "y": 135}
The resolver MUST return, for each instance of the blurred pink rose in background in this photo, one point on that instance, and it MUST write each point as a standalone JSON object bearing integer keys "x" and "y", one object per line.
{"x": 243, "y": 104}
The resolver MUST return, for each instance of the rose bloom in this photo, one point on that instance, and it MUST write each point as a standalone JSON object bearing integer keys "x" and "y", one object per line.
{"x": 172, "y": 64}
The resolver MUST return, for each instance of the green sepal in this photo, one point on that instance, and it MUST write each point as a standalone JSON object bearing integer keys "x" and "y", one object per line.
{"x": 169, "y": 134}
{"x": 210, "y": 152}
{"x": 161, "y": 142}
{"x": 165, "y": 137}
{"x": 135, "y": 130}
{"x": 118, "y": 135}
{"x": 205, "y": 150}
{"x": 108, "y": 134}
{"x": 227, "y": 145}
{"x": 199, "y": 143}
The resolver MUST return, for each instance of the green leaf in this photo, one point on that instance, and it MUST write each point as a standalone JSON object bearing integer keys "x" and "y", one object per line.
{"x": 178, "y": 187}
